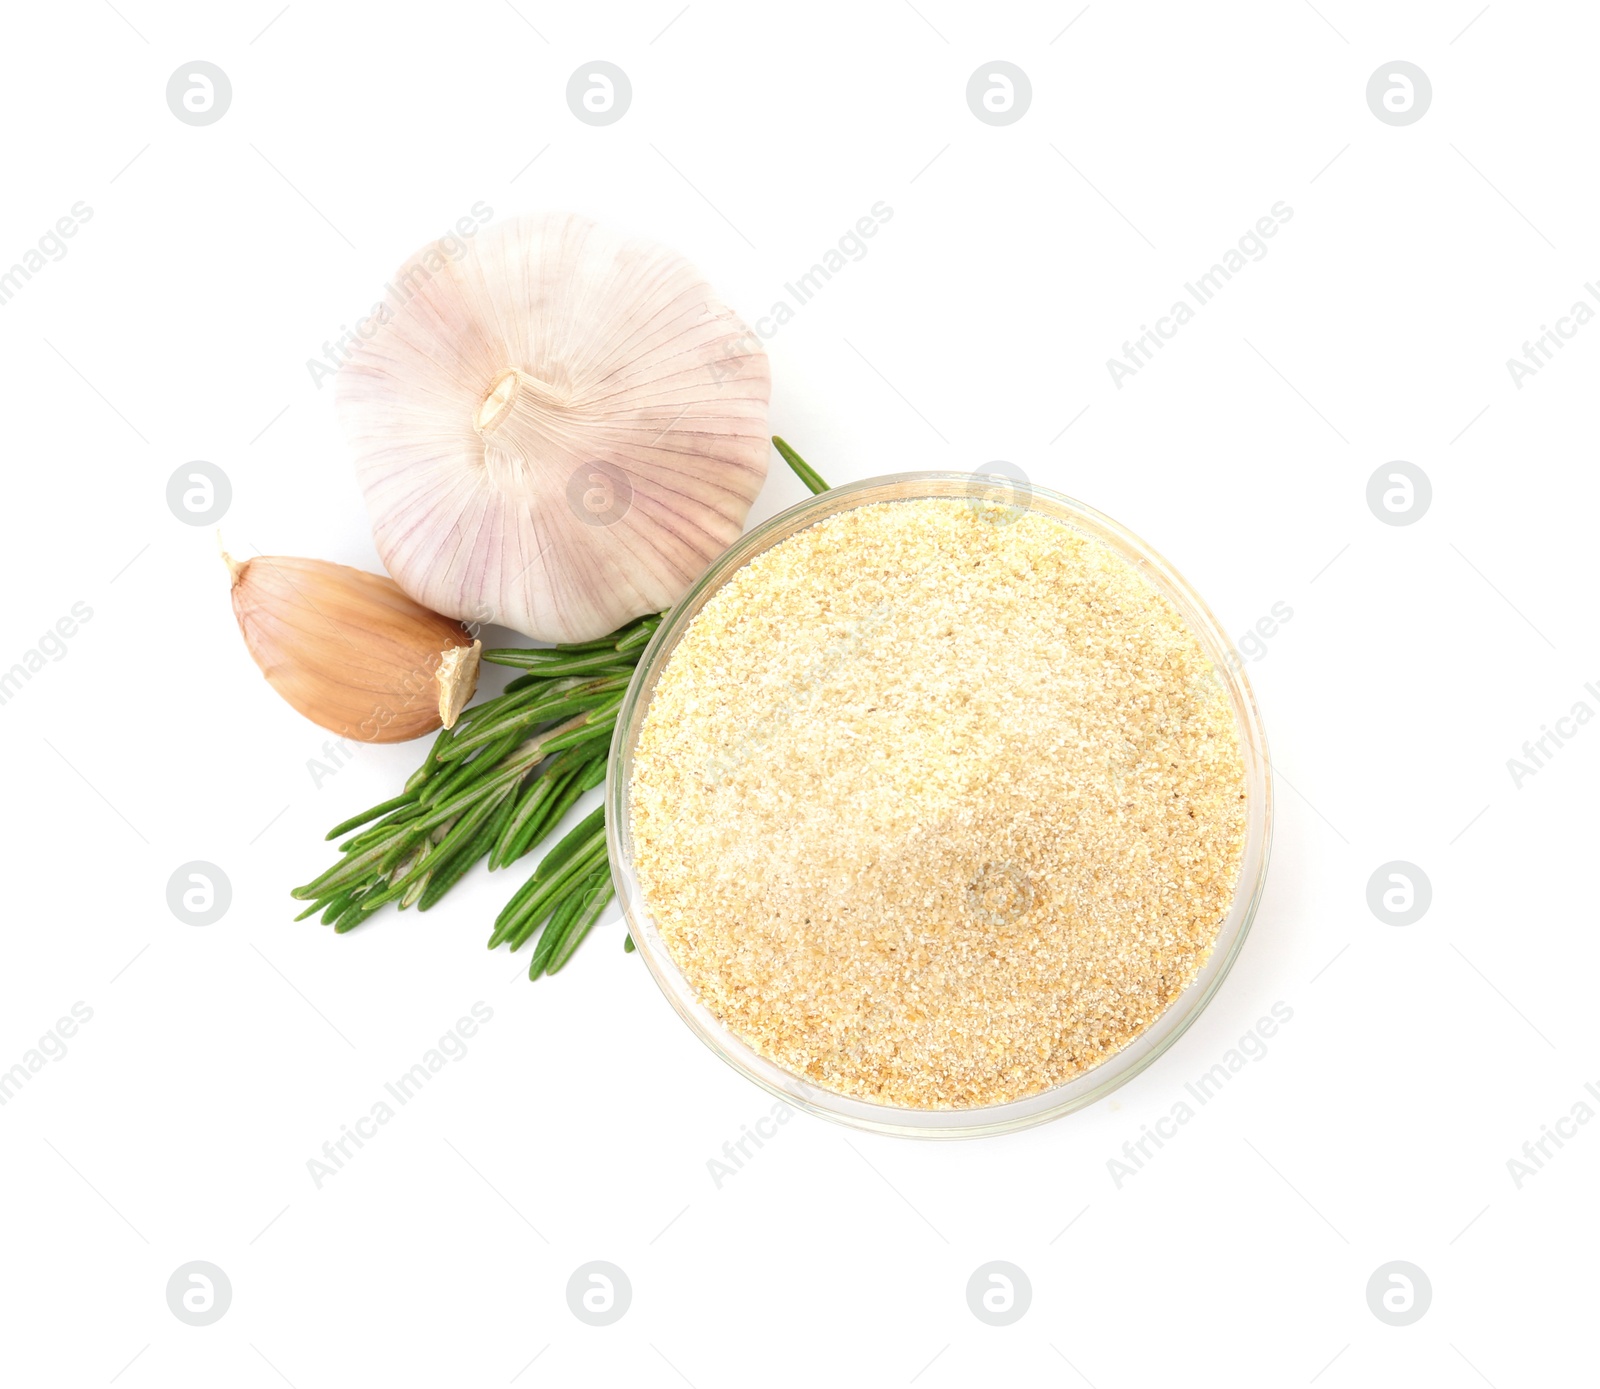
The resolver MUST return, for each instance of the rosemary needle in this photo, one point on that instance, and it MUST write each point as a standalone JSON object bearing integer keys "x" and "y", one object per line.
{"x": 802, "y": 470}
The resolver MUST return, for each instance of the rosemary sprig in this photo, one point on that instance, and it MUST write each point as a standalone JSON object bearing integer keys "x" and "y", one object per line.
{"x": 496, "y": 786}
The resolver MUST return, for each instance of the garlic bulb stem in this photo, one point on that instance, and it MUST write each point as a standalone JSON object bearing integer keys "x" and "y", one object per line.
{"x": 497, "y": 402}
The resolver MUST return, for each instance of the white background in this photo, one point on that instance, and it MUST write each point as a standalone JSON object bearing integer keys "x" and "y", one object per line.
{"x": 579, "y": 1126}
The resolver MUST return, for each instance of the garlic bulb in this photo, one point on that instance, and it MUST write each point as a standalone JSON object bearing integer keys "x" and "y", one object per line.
{"x": 556, "y": 430}
{"x": 350, "y": 651}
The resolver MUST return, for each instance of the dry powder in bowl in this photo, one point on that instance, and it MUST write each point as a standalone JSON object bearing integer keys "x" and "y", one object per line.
{"x": 938, "y": 803}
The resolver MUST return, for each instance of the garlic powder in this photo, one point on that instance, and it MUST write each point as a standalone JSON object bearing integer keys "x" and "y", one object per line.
{"x": 938, "y": 803}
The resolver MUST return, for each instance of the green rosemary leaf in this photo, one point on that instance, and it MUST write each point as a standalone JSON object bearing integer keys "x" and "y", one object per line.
{"x": 553, "y": 813}
{"x": 552, "y": 936}
{"x": 587, "y": 733}
{"x": 383, "y": 808}
{"x": 802, "y": 470}
{"x": 594, "y": 771}
{"x": 599, "y": 643}
{"x": 576, "y": 838}
{"x": 555, "y": 929}
{"x": 534, "y": 685}
{"x": 514, "y": 702}
{"x": 641, "y": 634}
{"x": 532, "y": 804}
{"x": 350, "y": 914}
{"x": 593, "y": 909}
{"x": 502, "y": 817}
{"x": 536, "y": 826}
{"x": 549, "y": 663}
{"x": 383, "y": 829}
{"x": 430, "y": 763}
{"x": 352, "y": 918}
{"x": 441, "y": 879}
{"x": 474, "y": 847}
{"x": 415, "y": 891}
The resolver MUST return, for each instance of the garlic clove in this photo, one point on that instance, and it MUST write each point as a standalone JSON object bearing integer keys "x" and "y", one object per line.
{"x": 557, "y": 430}
{"x": 350, "y": 650}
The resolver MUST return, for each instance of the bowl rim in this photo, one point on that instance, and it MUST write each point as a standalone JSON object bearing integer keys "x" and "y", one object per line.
{"x": 1117, "y": 1069}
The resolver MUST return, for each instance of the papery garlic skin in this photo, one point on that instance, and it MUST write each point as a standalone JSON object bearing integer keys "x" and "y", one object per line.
{"x": 557, "y": 431}
{"x": 350, "y": 650}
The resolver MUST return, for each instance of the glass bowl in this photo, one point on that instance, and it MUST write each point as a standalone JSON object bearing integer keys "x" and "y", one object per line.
{"x": 1117, "y": 1069}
